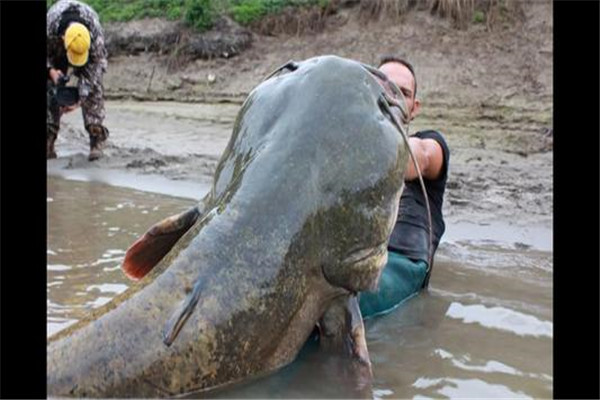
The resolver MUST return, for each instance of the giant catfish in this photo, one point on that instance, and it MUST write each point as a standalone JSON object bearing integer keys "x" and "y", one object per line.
{"x": 297, "y": 221}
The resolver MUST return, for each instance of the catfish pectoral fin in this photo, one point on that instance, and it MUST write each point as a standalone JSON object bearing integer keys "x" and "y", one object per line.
{"x": 181, "y": 315}
{"x": 147, "y": 251}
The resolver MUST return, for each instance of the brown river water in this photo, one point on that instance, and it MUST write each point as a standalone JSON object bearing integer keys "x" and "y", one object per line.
{"x": 482, "y": 330}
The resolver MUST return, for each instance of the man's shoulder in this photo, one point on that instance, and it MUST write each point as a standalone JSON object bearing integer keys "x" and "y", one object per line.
{"x": 60, "y": 6}
{"x": 439, "y": 138}
{"x": 435, "y": 135}
{"x": 72, "y": 10}
{"x": 83, "y": 9}
{"x": 429, "y": 133}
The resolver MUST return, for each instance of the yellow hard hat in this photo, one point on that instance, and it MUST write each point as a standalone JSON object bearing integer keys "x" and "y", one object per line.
{"x": 77, "y": 43}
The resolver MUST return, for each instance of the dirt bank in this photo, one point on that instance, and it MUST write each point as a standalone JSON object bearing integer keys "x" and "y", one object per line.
{"x": 489, "y": 92}
{"x": 510, "y": 65}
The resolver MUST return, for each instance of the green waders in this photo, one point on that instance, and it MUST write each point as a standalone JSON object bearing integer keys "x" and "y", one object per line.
{"x": 401, "y": 279}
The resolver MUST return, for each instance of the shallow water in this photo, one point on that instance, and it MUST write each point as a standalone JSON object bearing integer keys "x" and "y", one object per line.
{"x": 90, "y": 226}
{"x": 483, "y": 329}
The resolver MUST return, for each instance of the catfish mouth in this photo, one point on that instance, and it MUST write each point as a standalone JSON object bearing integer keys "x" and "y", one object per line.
{"x": 366, "y": 254}
{"x": 360, "y": 270}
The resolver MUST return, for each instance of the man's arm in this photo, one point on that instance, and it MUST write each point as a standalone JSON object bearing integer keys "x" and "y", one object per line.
{"x": 430, "y": 157}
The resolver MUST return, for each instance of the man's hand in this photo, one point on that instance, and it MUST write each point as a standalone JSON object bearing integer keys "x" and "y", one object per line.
{"x": 68, "y": 109}
{"x": 55, "y": 74}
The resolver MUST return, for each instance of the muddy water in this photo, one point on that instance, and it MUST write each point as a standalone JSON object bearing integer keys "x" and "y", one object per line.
{"x": 484, "y": 329}
{"x": 90, "y": 225}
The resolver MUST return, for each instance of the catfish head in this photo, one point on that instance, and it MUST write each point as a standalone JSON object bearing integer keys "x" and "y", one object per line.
{"x": 297, "y": 220}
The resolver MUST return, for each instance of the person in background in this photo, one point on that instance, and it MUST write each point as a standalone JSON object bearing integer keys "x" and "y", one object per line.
{"x": 407, "y": 269}
{"x": 75, "y": 42}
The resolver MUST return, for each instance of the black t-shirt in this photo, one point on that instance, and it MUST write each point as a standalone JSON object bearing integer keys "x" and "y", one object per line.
{"x": 410, "y": 236}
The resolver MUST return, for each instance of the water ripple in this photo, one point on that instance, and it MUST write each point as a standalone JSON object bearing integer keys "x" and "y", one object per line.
{"x": 463, "y": 388}
{"x": 500, "y": 318}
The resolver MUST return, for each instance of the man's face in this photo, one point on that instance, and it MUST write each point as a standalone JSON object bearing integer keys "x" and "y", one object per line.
{"x": 404, "y": 79}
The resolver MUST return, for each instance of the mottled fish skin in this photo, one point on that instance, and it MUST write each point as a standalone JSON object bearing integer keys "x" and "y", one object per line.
{"x": 303, "y": 201}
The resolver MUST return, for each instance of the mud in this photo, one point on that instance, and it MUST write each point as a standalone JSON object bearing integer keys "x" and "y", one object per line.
{"x": 510, "y": 64}
{"x": 226, "y": 39}
{"x": 502, "y": 172}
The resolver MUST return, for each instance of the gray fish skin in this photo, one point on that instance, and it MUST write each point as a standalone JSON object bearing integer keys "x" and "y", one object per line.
{"x": 302, "y": 205}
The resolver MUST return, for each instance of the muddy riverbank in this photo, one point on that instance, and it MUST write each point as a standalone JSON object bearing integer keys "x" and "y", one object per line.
{"x": 509, "y": 63}
{"x": 497, "y": 172}
{"x": 488, "y": 90}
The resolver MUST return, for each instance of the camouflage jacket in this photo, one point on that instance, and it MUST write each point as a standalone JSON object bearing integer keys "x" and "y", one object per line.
{"x": 56, "y": 18}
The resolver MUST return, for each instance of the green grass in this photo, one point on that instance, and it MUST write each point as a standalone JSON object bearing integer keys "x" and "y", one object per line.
{"x": 246, "y": 12}
{"x": 478, "y": 17}
{"x": 199, "y": 14}
{"x": 126, "y": 10}
{"x": 196, "y": 13}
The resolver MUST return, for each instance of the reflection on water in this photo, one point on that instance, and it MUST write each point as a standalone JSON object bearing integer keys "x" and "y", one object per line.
{"x": 500, "y": 318}
{"x": 453, "y": 388}
{"x": 482, "y": 330}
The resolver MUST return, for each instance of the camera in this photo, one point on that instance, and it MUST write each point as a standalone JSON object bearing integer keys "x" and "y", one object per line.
{"x": 62, "y": 94}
